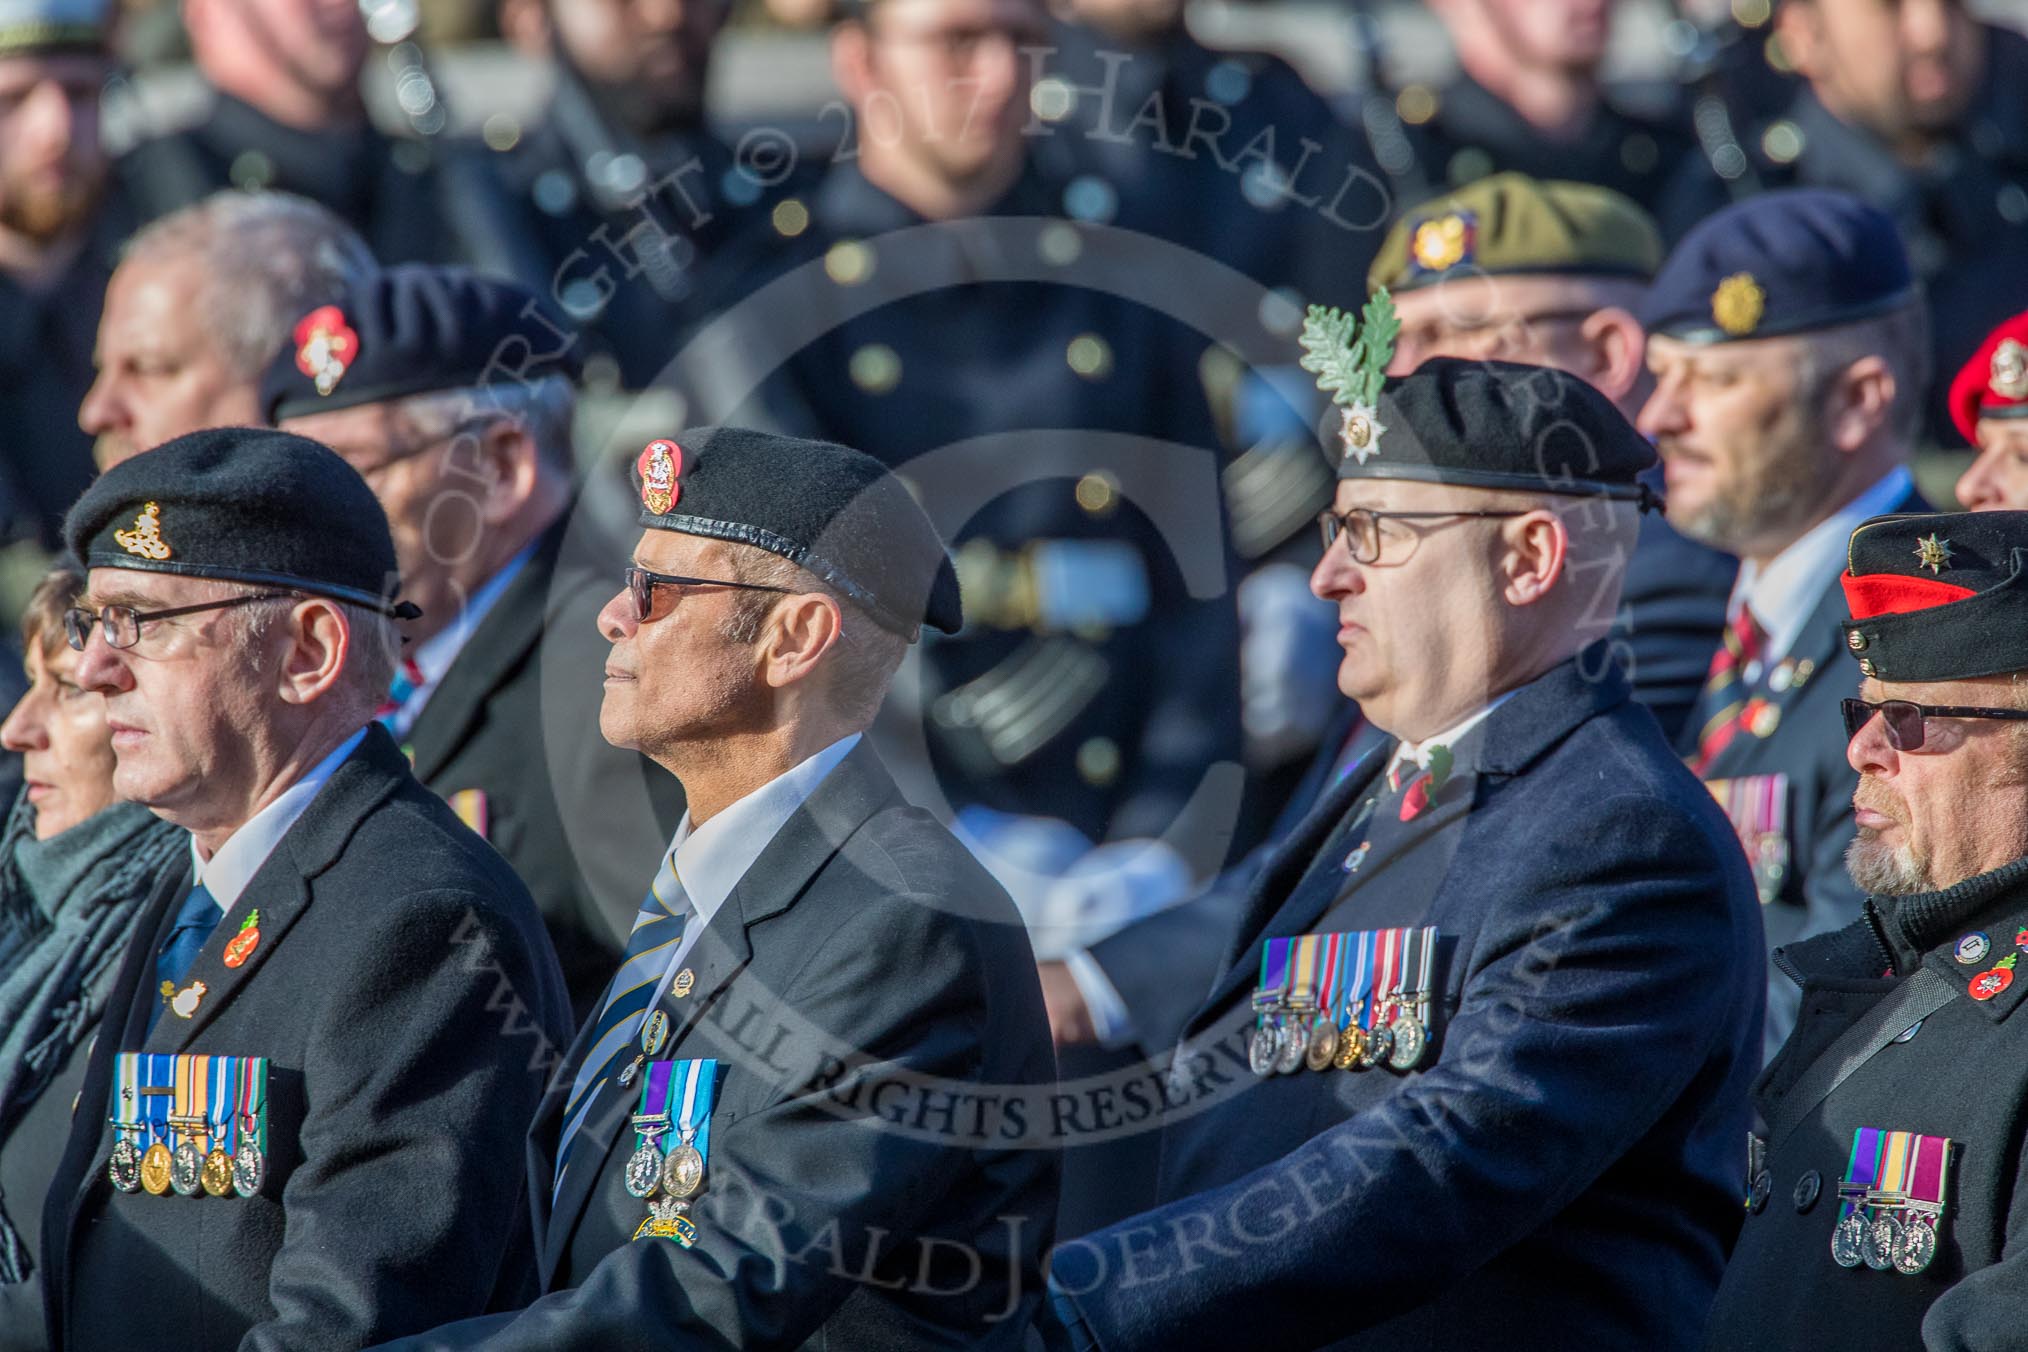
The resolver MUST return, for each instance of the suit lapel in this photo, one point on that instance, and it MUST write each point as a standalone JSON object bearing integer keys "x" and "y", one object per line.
{"x": 1819, "y": 644}
{"x": 856, "y": 789}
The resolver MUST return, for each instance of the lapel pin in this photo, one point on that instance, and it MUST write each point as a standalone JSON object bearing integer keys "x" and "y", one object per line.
{"x": 242, "y": 945}
{"x": 185, "y": 1001}
{"x": 685, "y": 979}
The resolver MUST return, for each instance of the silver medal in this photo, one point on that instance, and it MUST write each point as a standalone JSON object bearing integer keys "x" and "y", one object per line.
{"x": 1883, "y": 1237}
{"x": 1410, "y": 1041}
{"x": 683, "y": 1171}
{"x": 249, "y": 1167}
{"x": 644, "y": 1170}
{"x": 1260, "y": 1050}
{"x": 1291, "y": 1043}
{"x": 186, "y": 1169}
{"x": 1848, "y": 1241}
{"x": 1917, "y": 1247}
{"x": 124, "y": 1168}
{"x": 1379, "y": 1046}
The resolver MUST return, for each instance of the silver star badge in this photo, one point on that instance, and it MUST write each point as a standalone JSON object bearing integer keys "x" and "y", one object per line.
{"x": 1361, "y": 431}
{"x": 1933, "y": 554}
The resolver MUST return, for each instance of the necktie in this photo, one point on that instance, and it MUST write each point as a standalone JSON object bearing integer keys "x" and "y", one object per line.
{"x": 408, "y": 678}
{"x": 1725, "y": 687}
{"x": 196, "y": 918}
{"x": 657, "y": 934}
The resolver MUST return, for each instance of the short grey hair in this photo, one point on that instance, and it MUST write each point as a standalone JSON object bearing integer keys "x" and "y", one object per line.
{"x": 866, "y": 655}
{"x": 545, "y": 408}
{"x": 266, "y": 258}
{"x": 369, "y": 666}
{"x": 1900, "y": 338}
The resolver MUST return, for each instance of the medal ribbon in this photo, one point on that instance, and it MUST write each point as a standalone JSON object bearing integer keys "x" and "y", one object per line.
{"x": 1274, "y": 979}
{"x": 252, "y": 1098}
{"x": 1894, "y": 1161}
{"x": 1303, "y": 971}
{"x": 158, "y": 1071}
{"x": 192, "y": 1079}
{"x": 218, "y": 1103}
{"x": 1359, "y": 974}
{"x": 655, "y": 1103}
{"x": 1418, "y": 965}
{"x": 700, "y": 1085}
{"x": 128, "y": 1112}
{"x": 1387, "y": 977}
{"x": 1331, "y": 974}
{"x": 1860, "y": 1170}
{"x": 1931, "y": 1169}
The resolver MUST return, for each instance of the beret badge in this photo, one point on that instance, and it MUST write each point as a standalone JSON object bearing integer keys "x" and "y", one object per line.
{"x": 325, "y": 347}
{"x": 145, "y": 539}
{"x": 1349, "y": 357}
{"x": 1933, "y": 553}
{"x": 2009, "y": 375}
{"x": 658, "y": 466}
{"x": 1738, "y": 304}
{"x": 1442, "y": 242}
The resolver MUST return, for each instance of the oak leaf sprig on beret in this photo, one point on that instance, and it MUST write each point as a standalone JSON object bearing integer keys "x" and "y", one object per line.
{"x": 1349, "y": 357}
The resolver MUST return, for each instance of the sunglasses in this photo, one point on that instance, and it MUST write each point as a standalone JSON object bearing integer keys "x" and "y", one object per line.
{"x": 641, "y": 586}
{"x": 1903, "y": 719}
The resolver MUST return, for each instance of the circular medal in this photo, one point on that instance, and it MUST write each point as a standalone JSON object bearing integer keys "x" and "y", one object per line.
{"x": 1883, "y": 1237}
{"x": 1410, "y": 1041}
{"x": 1323, "y": 1045}
{"x": 1991, "y": 982}
{"x": 155, "y": 1167}
{"x": 1848, "y": 1241}
{"x": 683, "y": 1171}
{"x": 249, "y": 1168}
{"x": 1260, "y": 1050}
{"x": 654, "y": 1032}
{"x": 186, "y": 1169}
{"x": 644, "y": 1170}
{"x": 216, "y": 1174}
{"x": 1291, "y": 1045}
{"x": 1379, "y": 1047}
{"x": 1351, "y": 1047}
{"x": 124, "y": 1168}
{"x": 1972, "y": 947}
{"x": 1917, "y": 1248}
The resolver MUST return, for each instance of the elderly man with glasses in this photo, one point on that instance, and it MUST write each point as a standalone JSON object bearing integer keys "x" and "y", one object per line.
{"x": 328, "y": 1033}
{"x": 1885, "y": 1177}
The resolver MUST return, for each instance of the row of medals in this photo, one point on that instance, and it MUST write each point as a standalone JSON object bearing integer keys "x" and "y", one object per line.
{"x": 677, "y": 1175}
{"x": 1885, "y": 1240}
{"x": 187, "y": 1171}
{"x": 1283, "y": 1045}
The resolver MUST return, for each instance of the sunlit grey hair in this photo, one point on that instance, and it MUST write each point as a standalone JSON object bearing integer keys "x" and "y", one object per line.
{"x": 266, "y": 259}
{"x": 544, "y": 408}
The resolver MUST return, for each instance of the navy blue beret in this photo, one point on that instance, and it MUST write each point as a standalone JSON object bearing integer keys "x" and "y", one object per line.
{"x": 415, "y": 329}
{"x": 1938, "y": 596}
{"x": 836, "y": 512}
{"x": 1781, "y": 263}
{"x": 1495, "y": 424}
{"x": 243, "y": 504}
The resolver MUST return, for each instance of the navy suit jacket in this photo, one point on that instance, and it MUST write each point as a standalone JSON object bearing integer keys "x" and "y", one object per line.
{"x": 1563, "y": 1171}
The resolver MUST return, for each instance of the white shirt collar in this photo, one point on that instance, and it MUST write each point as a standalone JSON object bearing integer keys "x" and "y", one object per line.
{"x": 712, "y": 858}
{"x": 1418, "y": 752}
{"x": 228, "y": 871}
{"x": 436, "y": 653}
{"x": 1785, "y": 593}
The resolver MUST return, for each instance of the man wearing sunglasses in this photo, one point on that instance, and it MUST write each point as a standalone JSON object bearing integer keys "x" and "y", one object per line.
{"x": 1884, "y": 1182}
{"x": 1532, "y": 1141}
{"x": 849, "y": 995}
{"x": 335, "y": 924}
{"x": 452, "y": 394}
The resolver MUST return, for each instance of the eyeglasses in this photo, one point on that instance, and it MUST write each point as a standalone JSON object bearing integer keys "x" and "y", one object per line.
{"x": 122, "y": 624}
{"x": 1903, "y": 719}
{"x": 641, "y": 586}
{"x": 1360, "y": 527}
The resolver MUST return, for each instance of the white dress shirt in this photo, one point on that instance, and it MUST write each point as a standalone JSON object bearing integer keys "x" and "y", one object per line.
{"x": 435, "y": 654}
{"x": 228, "y": 871}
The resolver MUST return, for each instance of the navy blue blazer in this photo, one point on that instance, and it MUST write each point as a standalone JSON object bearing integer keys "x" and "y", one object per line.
{"x": 1564, "y": 1169}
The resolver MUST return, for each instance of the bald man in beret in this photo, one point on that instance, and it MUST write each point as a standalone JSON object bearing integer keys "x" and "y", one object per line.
{"x": 344, "y": 1005}
{"x": 810, "y": 1110}
{"x": 1885, "y": 1195}
{"x": 1474, "y": 1074}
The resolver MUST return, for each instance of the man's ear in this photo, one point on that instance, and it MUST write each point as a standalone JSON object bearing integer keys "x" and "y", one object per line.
{"x": 1537, "y": 547}
{"x": 1859, "y": 403}
{"x": 505, "y": 462}
{"x": 1796, "y": 28}
{"x": 1615, "y": 348}
{"x": 319, "y": 642}
{"x": 852, "y": 61}
{"x": 801, "y": 629}
{"x": 525, "y": 24}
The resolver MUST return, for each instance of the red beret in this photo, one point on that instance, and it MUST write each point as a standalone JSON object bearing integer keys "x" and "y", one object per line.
{"x": 1994, "y": 383}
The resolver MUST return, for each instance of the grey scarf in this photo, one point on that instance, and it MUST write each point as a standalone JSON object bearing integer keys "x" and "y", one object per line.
{"x": 67, "y": 908}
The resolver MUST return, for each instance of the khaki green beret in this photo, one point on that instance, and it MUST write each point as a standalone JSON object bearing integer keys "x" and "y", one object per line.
{"x": 1509, "y": 224}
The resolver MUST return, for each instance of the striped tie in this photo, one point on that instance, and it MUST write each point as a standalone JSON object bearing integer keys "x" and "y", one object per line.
{"x": 658, "y": 932}
{"x": 1723, "y": 701}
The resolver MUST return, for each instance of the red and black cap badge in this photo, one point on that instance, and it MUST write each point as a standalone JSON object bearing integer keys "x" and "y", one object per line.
{"x": 657, "y": 468}
{"x": 1938, "y": 596}
{"x": 325, "y": 347}
{"x": 1994, "y": 383}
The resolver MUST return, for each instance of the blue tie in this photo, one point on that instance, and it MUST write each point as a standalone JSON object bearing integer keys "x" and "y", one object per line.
{"x": 657, "y": 935}
{"x": 196, "y": 918}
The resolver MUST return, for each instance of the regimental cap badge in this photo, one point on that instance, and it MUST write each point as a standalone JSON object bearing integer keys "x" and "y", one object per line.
{"x": 659, "y": 465}
{"x": 145, "y": 539}
{"x": 1349, "y": 357}
{"x": 326, "y": 347}
{"x": 2009, "y": 375}
{"x": 1933, "y": 553}
{"x": 1738, "y": 304}
{"x": 1440, "y": 243}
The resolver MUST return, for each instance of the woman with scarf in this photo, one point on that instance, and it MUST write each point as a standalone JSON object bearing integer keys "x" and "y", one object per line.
{"x": 75, "y": 868}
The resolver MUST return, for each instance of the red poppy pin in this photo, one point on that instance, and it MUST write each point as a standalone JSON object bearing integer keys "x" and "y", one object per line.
{"x": 659, "y": 466}
{"x": 325, "y": 347}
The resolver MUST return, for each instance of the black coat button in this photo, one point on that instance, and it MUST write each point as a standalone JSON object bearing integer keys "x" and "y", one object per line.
{"x": 1807, "y": 1188}
{"x": 1756, "y": 1198}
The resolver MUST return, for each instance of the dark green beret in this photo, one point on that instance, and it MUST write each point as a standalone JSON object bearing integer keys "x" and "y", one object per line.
{"x": 1494, "y": 424}
{"x": 243, "y": 504}
{"x": 1509, "y": 224}
{"x": 1938, "y": 596}
{"x": 835, "y": 511}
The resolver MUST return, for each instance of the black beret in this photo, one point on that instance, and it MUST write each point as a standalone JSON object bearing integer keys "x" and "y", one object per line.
{"x": 1784, "y": 262}
{"x": 1938, "y": 596}
{"x": 835, "y": 511}
{"x": 415, "y": 329}
{"x": 1496, "y": 424}
{"x": 243, "y": 504}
